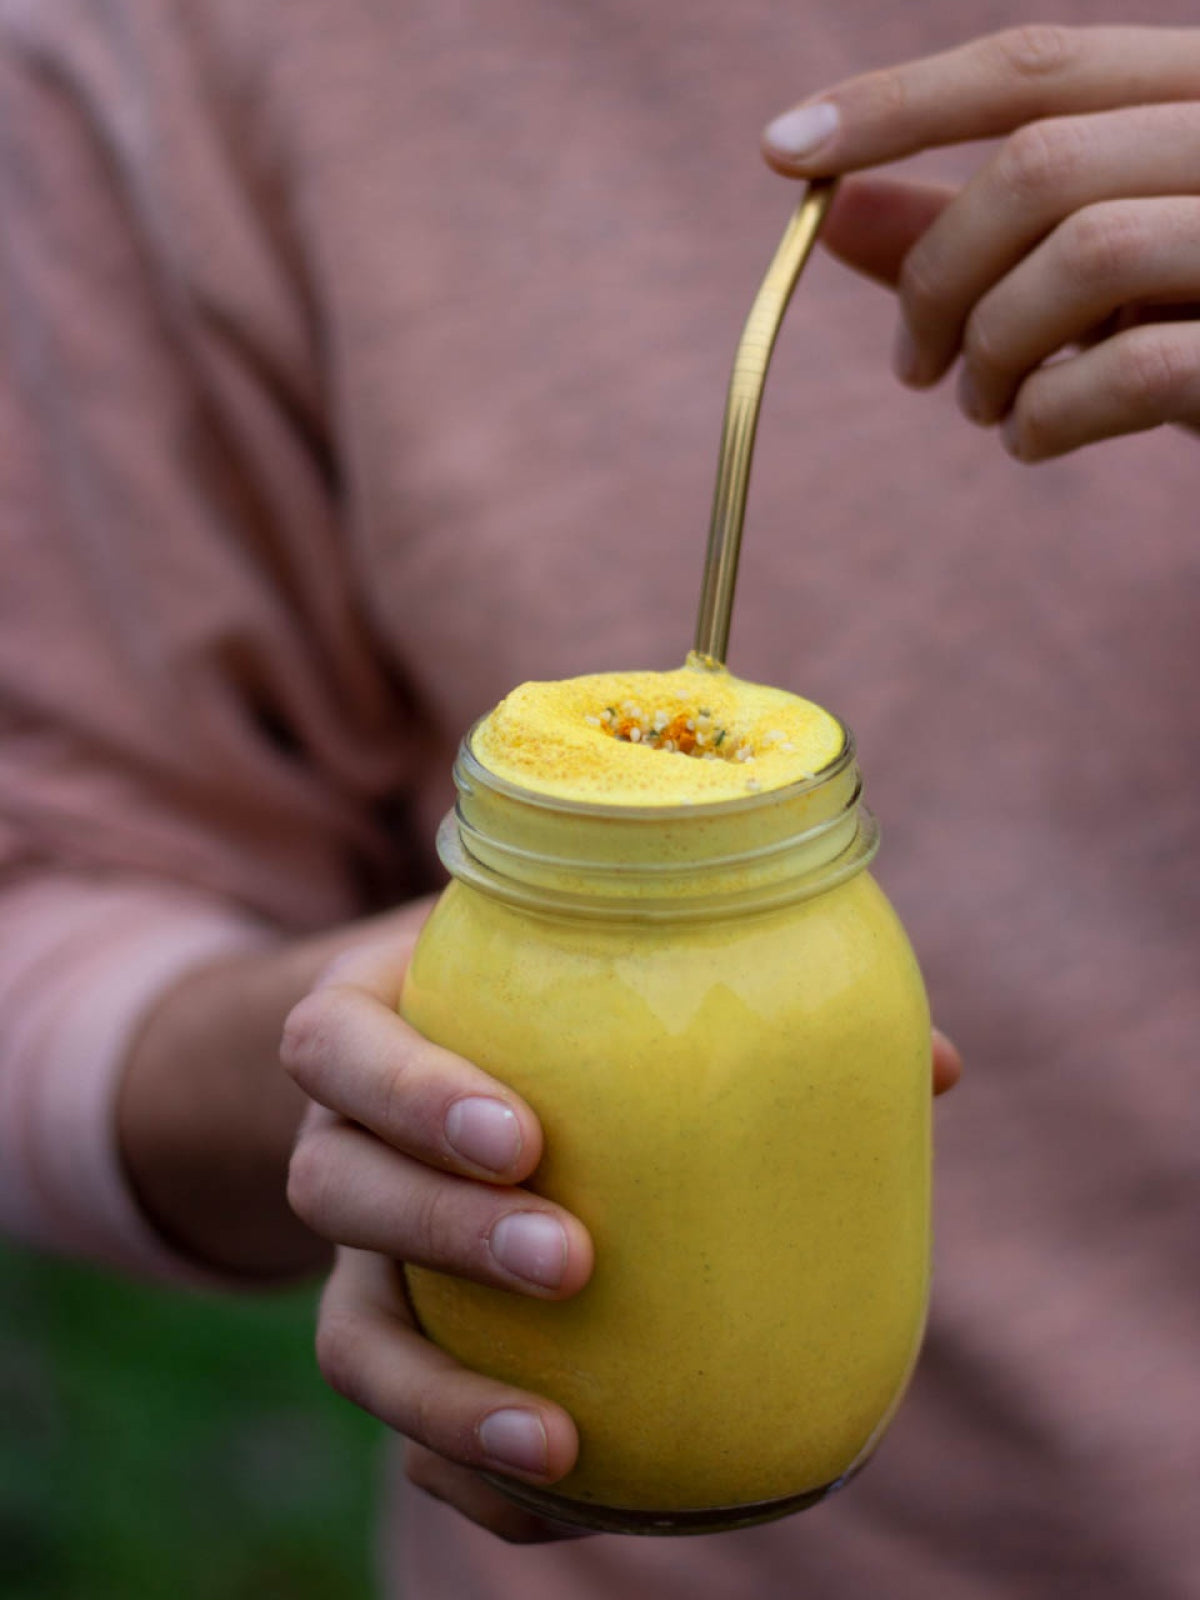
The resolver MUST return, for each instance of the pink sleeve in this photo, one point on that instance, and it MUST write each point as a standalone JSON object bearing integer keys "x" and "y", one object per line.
{"x": 80, "y": 963}
{"x": 194, "y": 727}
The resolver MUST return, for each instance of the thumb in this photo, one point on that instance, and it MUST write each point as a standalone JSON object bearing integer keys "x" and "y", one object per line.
{"x": 875, "y": 222}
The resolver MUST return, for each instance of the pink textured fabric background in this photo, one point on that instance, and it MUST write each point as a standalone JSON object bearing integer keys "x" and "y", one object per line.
{"x": 359, "y": 361}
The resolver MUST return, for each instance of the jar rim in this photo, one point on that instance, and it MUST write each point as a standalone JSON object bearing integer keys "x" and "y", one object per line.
{"x": 468, "y": 869}
{"x": 707, "y": 859}
{"x": 468, "y": 765}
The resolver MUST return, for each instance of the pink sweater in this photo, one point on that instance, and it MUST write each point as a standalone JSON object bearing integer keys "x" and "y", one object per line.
{"x": 359, "y": 361}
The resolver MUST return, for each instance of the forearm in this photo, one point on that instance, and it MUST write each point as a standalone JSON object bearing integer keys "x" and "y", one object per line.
{"x": 206, "y": 1118}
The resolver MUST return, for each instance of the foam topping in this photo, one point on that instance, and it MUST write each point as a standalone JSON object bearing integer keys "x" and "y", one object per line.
{"x": 694, "y": 735}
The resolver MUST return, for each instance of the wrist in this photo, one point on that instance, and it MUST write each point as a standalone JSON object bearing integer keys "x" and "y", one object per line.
{"x": 207, "y": 1117}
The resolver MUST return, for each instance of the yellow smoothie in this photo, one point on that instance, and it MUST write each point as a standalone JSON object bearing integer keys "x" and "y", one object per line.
{"x": 669, "y": 945}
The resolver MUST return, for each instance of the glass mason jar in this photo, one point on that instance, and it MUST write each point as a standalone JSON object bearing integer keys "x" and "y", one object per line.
{"x": 719, "y": 1020}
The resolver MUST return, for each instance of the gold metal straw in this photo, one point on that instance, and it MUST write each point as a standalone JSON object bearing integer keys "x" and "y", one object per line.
{"x": 741, "y": 420}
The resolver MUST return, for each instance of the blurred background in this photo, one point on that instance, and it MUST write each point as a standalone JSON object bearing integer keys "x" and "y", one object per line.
{"x": 185, "y": 1449}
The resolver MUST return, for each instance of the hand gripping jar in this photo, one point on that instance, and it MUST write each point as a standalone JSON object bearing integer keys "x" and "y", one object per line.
{"x": 720, "y": 1022}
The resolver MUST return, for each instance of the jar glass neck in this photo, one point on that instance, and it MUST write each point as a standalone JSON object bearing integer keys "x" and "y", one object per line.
{"x": 657, "y": 863}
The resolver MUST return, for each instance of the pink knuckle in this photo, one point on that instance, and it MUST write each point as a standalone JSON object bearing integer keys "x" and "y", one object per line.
{"x": 1036, "y": 50}
{"x": 431, "y": 1415}
{"x": 441, "y": 1231}
{"x": 1041, "y": 159}
{"x": 307, "y": 1181}
{"x": 400, "y": 1106}
{"x": 1154, "y": 371}
{"x": 424, "y": 1422}
{"x": 306, "y": 1039}
{"x": 338, "y": 1349}
{"x": 887, "y": 93}
{"x": 1036, "y": 421}
{"x": 982, "y": 350}
{"x": 1104, "y": 244}
{"x": 918, "y": 289}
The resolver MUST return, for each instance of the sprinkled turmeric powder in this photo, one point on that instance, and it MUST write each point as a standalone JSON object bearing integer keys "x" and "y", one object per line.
{"x": 655, "y": 738}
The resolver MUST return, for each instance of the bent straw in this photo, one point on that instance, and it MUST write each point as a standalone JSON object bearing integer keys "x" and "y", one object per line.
{"x": 741, "y": 420}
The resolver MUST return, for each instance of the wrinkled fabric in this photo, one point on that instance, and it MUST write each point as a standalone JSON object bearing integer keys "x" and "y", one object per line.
{"x": 360, "y": 361}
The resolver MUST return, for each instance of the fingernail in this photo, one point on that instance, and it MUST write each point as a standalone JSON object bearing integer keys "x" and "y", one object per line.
{"x": 968, "y": 397}
{"x": 532, "y": 1246}
{"x": 515, "y": 1440}
{"x": 797, "y": 134}
{"x": 484, "y": 1132}
{"x": 906, "y": 358}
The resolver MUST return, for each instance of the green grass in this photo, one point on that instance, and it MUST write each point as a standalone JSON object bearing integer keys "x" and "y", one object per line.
{"x": 156, "y": 1444}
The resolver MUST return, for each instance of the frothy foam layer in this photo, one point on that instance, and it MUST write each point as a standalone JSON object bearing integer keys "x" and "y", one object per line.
{"x": 655, "y": 738}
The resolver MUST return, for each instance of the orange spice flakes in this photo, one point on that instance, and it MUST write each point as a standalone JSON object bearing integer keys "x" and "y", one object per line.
{"x": 687, "y": 733}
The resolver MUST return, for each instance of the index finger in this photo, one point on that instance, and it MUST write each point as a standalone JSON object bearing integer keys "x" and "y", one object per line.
{"x": 348, "y": 1048}
{"x": 982, "y": 90}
